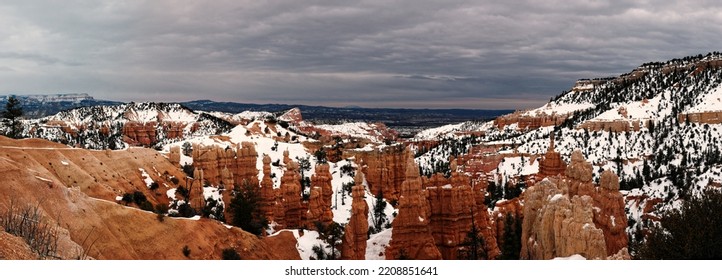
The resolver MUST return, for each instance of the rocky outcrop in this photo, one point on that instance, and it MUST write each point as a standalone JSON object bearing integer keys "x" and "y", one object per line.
{"x": 356, "y": 231}
{"x": 79, "y": 189}
{"x": 502, "y": 210}
{"x": 384, "y": 168}
{"x": 611, "y": 218}
{"x": 454, "y": 209}
{"x": 267, "y": 194}
{"x": 529, "y": 122}
{"x": 294, "y": 211}
{"x": 552, "y": 163}
{"x": 244, "y": 166}
{"x": 710, "y": 117}
{"x": 566, "y": 215}
{"x": 239, "y": 160}
{"x": 175, "y": 155}
{"x": 411, "y": 237}
{"x": 319, "y": 206}
{"x": 614, "y": 125}
{"x": 556, "y": 225}
{"x": 140, "y": 134}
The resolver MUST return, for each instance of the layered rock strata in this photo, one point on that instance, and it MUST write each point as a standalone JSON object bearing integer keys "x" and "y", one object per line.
{"x": 356, "y": 231}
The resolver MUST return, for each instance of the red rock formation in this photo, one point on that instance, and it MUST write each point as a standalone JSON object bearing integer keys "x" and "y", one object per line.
{"x": 452, "y": 202}
{"x": 354, "y": 239}
{"x": 552, "y": 163}
{"x": 612, "y": 218}
{"x": 614, "y": 125}
{"x": 291, "y": 190}
{"x": 175, "y": 155}
{"x": 710, "y": 117}
{"x": 384, "y": 169}
{"x": 320, "y": 203}
{"x": 241, "y": 162}
{"x": 529, "y": 122}
{"x": 556, "y": 225}
{"x": 267, "y": 195}
{"x": 244, "y": 166}
{"x": 411, "y": 237}
{"x": 140, "y": 134}
{"x": 502, "y": 209}
{"x": 565, "y": 215}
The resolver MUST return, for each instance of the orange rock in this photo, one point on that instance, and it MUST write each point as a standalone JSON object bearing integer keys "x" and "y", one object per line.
{"x": 411, "y": 237}
{"x": 319, "y": 206}
{"x": 612, "y": 218}
{"x": 241, "y": 162}
{"x": 291, "y": 190}
{"x": 552, "y": 163}
{"x": 452, "y": 202}
{"x": 384, "y": 169}
{"x": 565, "y": 215}
{"x": 356, "y": 231}
{"x": 267, "y": 195}
{"x": 175, "y": 155}
{"x": 557, "y": 225}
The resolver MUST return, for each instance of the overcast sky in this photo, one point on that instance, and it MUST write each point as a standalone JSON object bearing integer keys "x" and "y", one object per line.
{"x": 386, "y": 53}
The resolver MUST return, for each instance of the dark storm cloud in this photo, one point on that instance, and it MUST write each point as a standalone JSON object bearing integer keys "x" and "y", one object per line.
{"x": 465, "y": 54}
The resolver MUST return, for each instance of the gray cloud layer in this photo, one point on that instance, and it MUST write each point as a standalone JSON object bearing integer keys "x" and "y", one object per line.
{"x": 422, "y": 54}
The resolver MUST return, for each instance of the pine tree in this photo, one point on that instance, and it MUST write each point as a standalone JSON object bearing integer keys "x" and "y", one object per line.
{"x": 511, "y": 249}
{"x": 246, "y": 211}
{"x": 333, "y": 235}
{"x": 12, "y": 113}
{"x": 473, "y": 247}
{"x": 379, "y": 215}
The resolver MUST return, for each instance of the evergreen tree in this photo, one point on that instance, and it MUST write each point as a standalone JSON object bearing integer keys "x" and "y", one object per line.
{"x": 690, "y": 232}
{"x": 245, "y": 209}
{"x": 11, "y": 115}
{"x": 473, "y": 247}
{"x": 511, "y": 248}
{"x": 332, "y": 234}
{"x": 379, "y": 216}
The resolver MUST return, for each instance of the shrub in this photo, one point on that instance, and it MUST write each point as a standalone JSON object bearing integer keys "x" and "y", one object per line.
{"x": 186, "y": 251}
{"x": 185, "y": 210}
{"x": 154, "y": 186}
{"x": 138, "y": 197}
{"x": 230, "y": 254}
{"x": 27, "y": 222}
{"x": 146, "y": 205}
{"x": 161, "y": 210}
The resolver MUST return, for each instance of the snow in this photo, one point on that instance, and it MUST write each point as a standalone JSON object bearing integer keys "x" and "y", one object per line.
{"x": 421, "y": 219}
{"x": 64, "y": 162}
{"x": 305, "y": 243}
{"x": 355, "y": 129}
{"x": 709, "y": 102}
{"x": 214, "y": 193}
{"x": 194, "y": 218}
{"x": 171, "y": 194}
{"x": 575, "y": 257}
{"x": 554, "y": 108}
{"x": 511, "y": 167}
{"x": 377, "y": 243}
{"x": 340, "y": 206}
{"x": 614, "y": 224}
{"x": 146, "y": 178}
{"x": 43, "y": 179}
{"x": 636, "y": 110}
{"x": 118, "y": 198}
